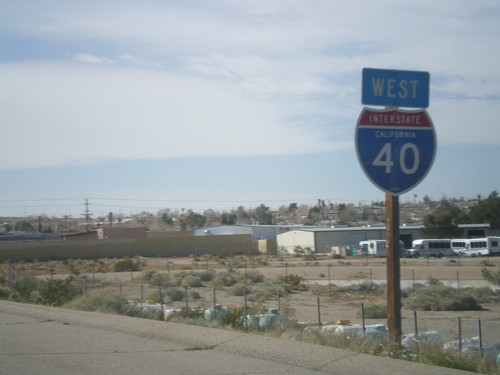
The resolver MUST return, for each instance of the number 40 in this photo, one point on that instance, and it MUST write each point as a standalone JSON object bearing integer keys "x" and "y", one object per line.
{"x": 384, "y": 158}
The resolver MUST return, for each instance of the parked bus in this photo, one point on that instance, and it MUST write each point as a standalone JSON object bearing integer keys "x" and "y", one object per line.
{"x": 378, "y": 247}
{"x": 458, "y": 245}
{"x": 430, "y": 248}
{"x": 485, "y": 246}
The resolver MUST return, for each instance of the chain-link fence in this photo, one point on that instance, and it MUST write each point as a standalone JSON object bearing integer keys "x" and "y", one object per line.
{"x": 462, "y": 332}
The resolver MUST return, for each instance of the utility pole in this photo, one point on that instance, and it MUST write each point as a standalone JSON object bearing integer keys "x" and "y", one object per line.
{"x": 393, "y": 269}
{"x": 87, "y": 215}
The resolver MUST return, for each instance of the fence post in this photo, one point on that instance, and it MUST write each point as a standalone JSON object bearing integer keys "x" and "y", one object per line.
{"x": 319, "y": 314}
{"x": 458, "y": 280}
{"x": 186, "y": 297}
{"x": 279, "y": 304}
{"x": 329, "y": 283}
{"x": 215, "y": 310}
{"x": 459, "y": 335}
{"x": 480, "y": 338}
{"x": 413, "y": 277}
{"x": 161, "y": 303}
{"x": 363, "y": 319}
{"x": 246, "y": 308}
{"x": 415, "y": 322}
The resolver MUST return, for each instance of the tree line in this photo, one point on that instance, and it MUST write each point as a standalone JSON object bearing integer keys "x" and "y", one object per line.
{"x": 440, "y": 218}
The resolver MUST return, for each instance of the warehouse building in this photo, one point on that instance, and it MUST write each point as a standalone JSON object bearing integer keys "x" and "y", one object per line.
{"x": 342, "y": 240}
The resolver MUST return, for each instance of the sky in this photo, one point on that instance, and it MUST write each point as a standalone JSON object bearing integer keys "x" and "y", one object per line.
{"x": 224, "y": 103}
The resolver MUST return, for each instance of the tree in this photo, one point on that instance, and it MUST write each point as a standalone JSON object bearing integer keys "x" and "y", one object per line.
{"x": 228, "y": 218}
{"x": 24, "y": 226}
{"x": 487, "y": 211}
{"x": 145, "y": 218}
{"x": 211, "y": 216}
{"x": 242, "y": 216}
{"x": 346, "y": 214}
{"x": 292, "y": 208}
{"x": 193, "y": 220}
{"x": 263, "y": 215}
{"x": 315, "y": 216}
{"x": 166, "y": 219}
{"x": 443, "y": 222}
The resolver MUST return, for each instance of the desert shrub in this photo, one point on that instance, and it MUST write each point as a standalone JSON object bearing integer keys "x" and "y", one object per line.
{"x": 57, "y": 292}
{"x": 366, "y": 287}
{"x": 233, "y": 318}
{"x": 159, "y": 279}
{"x": 238, "y": 289}
{"x": 373, "y": 311}
{"x": 191, "y": 281}
{"x": 292, "y": 282}
{"x": 225, "y": 279}
{"x": 148, "y": 274}
{"x": 5, "y": 292}
{"x": 267, "y": 290}
{"x": 47, "y": 292}
{"x": 441, "y": 298}
{"x": 175, "y": 294}
{"x": 23, "y": 290}
{"x": 254, "y": 276}
{"x": 431, "y": 355}
{"x": 127, "y": 264}
{"x": 155, "y": 296}
{"x": 102, "y": 301}
{"x": 194, "y": 295}
{"x": 207, "y": 275}
{"x": 491, "y": 277}
{"x": 483, "y": 294}
{"x": 191, "y": 278}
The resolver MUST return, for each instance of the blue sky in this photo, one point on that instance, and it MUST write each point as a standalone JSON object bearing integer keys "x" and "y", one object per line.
{"x": 216, "y": 104}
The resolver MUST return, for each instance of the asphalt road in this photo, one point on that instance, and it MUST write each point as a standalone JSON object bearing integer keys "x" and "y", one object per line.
{"x": 45, "y": 340}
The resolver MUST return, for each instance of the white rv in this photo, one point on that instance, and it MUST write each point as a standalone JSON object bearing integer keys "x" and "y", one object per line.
{"x": 430, "y": 248}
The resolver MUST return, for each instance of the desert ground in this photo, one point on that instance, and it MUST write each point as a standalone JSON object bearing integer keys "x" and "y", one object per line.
{"x": 329, "y": 288}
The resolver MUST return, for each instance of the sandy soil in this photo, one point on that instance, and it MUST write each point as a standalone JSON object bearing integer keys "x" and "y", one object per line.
{"x": 327, "y": 280}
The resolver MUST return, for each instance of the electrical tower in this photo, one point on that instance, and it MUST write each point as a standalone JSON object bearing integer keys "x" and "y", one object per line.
{"x": 87, "y": 215}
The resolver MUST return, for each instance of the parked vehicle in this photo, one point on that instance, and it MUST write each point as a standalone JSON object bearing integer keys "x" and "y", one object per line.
{"x": 430, "y": 248}
{"x": 378, "y": 247}
{"x": 458, "y": 246}
{"x": 485, "y": 246}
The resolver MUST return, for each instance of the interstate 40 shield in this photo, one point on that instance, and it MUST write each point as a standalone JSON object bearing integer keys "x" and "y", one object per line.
{"x": 396, "y": 148}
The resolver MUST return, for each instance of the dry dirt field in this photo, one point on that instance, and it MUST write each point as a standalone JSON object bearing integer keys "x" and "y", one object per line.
{"x": 327, "y": 280}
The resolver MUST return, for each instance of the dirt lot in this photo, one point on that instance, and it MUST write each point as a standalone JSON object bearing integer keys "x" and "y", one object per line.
{"x": 327, "y": 280}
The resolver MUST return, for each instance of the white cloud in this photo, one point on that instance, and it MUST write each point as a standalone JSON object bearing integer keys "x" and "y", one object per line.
{"x": 64, "y": 113}
{"x": 161, "y": 79}
{"x": 92, "y": 59}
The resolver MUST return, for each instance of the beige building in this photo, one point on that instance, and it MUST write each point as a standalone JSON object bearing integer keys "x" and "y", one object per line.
{"x": 342, "y": 240}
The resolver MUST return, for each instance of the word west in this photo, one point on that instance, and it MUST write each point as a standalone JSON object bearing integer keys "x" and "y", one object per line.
{"x": 393, "y": 88}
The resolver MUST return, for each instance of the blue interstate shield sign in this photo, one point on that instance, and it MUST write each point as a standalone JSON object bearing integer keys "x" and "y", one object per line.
{"x": 395, "y": 147}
